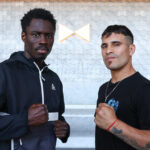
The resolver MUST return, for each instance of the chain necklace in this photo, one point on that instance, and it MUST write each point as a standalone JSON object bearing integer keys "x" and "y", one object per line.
{"x": 107, "y": 95}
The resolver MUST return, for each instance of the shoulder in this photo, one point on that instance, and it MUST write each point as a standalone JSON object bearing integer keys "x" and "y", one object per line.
{"x": 142, "y": 78}
{"x": 142, "y": 81}
{"x": 138, "y": 76}
{"x": 4, "y": 70}
{"x": 53, "y": 74}
{"x": 136, "y": 81}
{"x": 142, "y": 88}
{"x": 6, "y": 64}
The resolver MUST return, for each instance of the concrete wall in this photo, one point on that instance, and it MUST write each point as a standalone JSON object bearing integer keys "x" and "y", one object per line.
{"x": 78, "y": 63}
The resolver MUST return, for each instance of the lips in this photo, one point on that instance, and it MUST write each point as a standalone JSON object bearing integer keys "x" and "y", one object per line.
{"x": 110, "y": 58}
{"x": 42, "y": 49}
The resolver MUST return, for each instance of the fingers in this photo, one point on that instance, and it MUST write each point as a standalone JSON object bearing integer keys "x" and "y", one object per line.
{"x": 60, "y": 129}
{"x": 103, "y": 109}
{"x": 104, "y": 115}
{"x": 37, "y": 114}
{"x": 104, "y": 105}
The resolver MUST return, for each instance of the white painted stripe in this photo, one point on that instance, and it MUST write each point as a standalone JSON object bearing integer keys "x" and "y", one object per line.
{"x": 77, "y": 142}
{"x": 79, "y": 116}
{"x": 80, "y": 106}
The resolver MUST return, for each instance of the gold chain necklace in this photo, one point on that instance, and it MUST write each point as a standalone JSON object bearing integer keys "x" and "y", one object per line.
{"x": 107, "y": 95}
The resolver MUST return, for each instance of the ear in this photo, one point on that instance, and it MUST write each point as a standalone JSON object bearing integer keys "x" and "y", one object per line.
{"x": 131, "y": 49}
{"x": 23, "y": 36}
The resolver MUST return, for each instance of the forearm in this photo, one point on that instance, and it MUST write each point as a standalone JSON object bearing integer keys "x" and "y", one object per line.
{"x": 139, "y": 139}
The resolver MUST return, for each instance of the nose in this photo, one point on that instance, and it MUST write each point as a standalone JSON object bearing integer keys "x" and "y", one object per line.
{"x": 109, "y": 50}
{"x": 43, "y": 39}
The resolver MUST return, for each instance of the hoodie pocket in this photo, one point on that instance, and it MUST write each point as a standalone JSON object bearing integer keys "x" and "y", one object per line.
{"x": 38, "y": 138}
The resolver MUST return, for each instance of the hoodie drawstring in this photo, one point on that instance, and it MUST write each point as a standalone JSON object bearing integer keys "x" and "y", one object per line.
{"x": 41, "y": 82}
{"x": 12, "y": 140}
{"x": 12, "y": 144}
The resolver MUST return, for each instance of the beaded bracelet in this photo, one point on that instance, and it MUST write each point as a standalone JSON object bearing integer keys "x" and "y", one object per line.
{"x": 111, "y": 125}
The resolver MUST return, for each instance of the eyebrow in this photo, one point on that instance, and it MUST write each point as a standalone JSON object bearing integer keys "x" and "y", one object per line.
{"x": 116, "y": 42}
{"x": 51, "y": 33}
{"x": 112, "y": 42}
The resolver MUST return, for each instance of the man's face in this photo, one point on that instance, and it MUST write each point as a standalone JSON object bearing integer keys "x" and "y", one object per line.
{"x": 116, "y": 51}
{"x": 38, "y": 39}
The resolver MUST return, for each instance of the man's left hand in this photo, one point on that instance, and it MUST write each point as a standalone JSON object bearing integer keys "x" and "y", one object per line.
{"x": 60, "y": 129}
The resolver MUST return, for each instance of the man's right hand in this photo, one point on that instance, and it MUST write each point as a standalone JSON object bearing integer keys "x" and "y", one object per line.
{"x": 105, "y": 116}
{"x": 37, "y": 115}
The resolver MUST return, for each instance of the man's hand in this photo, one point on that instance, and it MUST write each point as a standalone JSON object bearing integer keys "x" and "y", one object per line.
{"x": 105, "y": 116}
{"x": 37, "y": 115}
{"x": 60, "y": 129}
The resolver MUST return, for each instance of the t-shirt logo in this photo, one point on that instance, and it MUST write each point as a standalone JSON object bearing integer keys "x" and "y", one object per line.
{"x": 112, "y": 102}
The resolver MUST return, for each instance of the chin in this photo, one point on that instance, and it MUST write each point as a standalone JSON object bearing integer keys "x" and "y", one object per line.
{"x": 114, "y": 68}
{"x": 40, "y": 58}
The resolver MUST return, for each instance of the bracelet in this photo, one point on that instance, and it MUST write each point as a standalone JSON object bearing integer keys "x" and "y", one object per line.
{"x": 111, "y": 125}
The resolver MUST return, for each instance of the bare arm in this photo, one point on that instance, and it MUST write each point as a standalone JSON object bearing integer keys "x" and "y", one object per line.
{"x": 105, "y": 116}
{"x": 139, "y": 139}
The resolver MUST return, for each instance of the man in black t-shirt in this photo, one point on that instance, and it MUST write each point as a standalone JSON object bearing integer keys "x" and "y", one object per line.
{"x": 123, "y": 108}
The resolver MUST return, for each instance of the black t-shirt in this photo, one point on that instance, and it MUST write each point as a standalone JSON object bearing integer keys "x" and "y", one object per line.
{"x": 131, "y": 101}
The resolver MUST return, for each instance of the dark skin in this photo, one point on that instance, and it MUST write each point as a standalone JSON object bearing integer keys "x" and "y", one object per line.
{"x": 38, "y": 41}
{"x": 60, "y": 129}
{"x": 37, "y": 115}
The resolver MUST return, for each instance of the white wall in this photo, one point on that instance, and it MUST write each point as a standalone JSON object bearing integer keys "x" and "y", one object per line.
{"x": 79, "y": 64}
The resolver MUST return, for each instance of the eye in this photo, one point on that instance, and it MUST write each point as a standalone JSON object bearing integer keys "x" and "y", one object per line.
{"x": 103, "y": 46}
{"x": 116, "y": 43}
{"x": 49, "y": 36}
{"x": 35, "y": 35}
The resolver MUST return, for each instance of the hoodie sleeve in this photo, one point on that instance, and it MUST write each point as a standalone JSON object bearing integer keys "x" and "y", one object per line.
{"x": 11, "y": 126}
{"x": 61, "y": 111}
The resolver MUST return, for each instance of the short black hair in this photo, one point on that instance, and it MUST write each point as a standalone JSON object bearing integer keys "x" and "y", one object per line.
{"x": 37, "y": 13}
{"x": 119, "y": 29}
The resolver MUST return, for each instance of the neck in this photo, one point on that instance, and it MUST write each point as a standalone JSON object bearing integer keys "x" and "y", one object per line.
{"x": 118, "y": 75}
{"x": 39, "y": 62}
